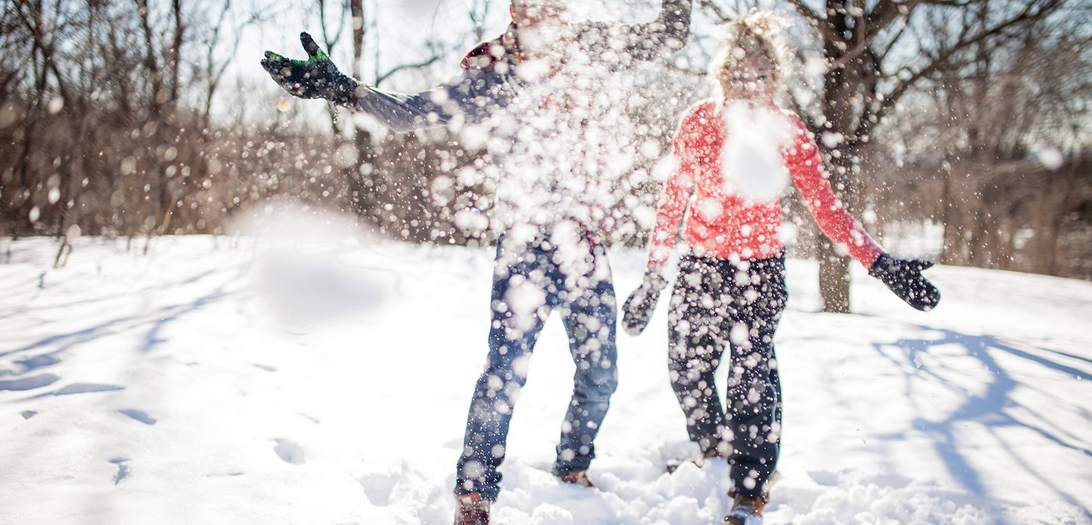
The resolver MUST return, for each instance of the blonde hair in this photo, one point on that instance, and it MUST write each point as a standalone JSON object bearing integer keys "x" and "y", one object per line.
{"x": 755, "y": 32}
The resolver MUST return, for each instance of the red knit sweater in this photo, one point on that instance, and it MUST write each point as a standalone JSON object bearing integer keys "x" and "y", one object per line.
{"x": 741, "y": 228}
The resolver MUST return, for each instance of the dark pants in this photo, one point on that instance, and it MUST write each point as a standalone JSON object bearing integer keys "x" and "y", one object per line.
{"x": 530, "y": 280}
{"x": 718, "y": 304}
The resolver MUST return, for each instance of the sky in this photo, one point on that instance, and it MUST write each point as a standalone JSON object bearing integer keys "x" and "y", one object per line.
{"x": 304, "y": 372}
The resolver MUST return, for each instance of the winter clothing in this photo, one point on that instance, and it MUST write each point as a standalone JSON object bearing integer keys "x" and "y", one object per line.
{"x": 726, "y": 225}
{"x": 489, "y": 81}
{"x": 905, "y": 280}
{"x": 530, "y": 281}
{"x": 569, "y": 272}
{"x": 718, "y": 304}
{"x": 528, "y": 122}
{"x": 471, "y": 509}
{"x": 641, "y": 302}
{"x": 577, "y": 477}
{"x": 574, "y": 277}
{"x": 745, "y": 511}
{"x": 730, "y": 292}
{"x": 316, "y": 77}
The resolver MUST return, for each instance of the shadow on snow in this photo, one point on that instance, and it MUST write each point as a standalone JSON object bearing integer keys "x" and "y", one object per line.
{"x": 992, "y": 409}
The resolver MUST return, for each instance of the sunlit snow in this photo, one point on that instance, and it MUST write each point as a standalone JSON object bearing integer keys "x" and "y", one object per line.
{"x": 289, "y": 376}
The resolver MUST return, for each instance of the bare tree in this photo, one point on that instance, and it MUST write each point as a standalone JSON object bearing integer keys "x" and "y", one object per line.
{"x": 108, "y": 124}
{"x": 863, "y": 44}
{"x": 1011, "y": 98}
{"x": 96, "y": 133}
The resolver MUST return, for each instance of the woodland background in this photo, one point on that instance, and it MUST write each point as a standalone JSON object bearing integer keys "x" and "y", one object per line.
{"x": 957, "y": 130}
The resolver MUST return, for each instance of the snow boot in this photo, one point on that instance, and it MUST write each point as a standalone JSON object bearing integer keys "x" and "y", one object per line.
{"x": 699, "y": 461}
{"x": 577, "y": 477}
{"x": 471, "y": 509}
{"x": 745, "y": 511}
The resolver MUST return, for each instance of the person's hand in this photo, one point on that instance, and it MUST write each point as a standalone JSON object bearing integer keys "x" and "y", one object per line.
{"x": 316, "y": 77}
{"x": 905, "y": 280}
{"x": 639, "y": 306}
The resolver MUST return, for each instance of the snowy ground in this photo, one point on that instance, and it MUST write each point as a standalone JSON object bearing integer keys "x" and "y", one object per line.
{"x": 325, "y": 380}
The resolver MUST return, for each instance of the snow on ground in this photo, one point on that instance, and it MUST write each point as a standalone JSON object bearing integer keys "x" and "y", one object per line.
{"x": 324, "y": 379}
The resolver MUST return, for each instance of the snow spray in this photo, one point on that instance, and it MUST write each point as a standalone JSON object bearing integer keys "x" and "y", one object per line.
{"x": 751, "y": 161}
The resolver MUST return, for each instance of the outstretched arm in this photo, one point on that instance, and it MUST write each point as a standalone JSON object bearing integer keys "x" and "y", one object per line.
{"x": 663, "y": 36}
{"x": 638, "y": 308}
{"x": 318, "y": 77}
{"x": 804, "y": 163}
{"x": 902, "y": 277}
{"x": 438, "y": 106}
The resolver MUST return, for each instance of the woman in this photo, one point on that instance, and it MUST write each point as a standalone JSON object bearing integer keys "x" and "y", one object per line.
{"x": 730, "y": 290}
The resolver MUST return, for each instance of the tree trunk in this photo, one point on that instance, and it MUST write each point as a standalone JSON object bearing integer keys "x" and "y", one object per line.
{"x": 833, "y": 278}
{"x": 362, "y": 180}
{"x": 844, "y": 89}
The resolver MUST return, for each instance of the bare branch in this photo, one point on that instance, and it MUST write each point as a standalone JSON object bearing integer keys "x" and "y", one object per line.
{"x": 894, "y": 40}
{"x": 952, "y": 3}
{"x": 870, "y": 26}
{"x": 944, "y": 58}
{"x": 887, "y": 11}
{"x": 424, "y": 63}
{"x": 356, "y": 9}
{"x": 716, "y": 9}
{"x": 808, "y": 13}
{"x": 328, "y": 39}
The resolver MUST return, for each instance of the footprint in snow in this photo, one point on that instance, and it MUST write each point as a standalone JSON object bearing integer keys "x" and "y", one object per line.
{"x": 378, "y": 486}
{"x": 123, "y": 469}
{"x": 28, "y": 383}
{"x": 289, "y": 452}
{"x": 37, "y": 361}
{"x": 83, "y": 388}
{"x": 138, "y": 415}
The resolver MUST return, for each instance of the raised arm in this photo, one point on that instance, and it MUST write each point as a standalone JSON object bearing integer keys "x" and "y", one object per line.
{"x": 663, "y": 36}
{"x": 804, "y": 163}
{"x": 902, "y": 277}
{"x": 438, "y": 106}
{"x": 470, "y": 97}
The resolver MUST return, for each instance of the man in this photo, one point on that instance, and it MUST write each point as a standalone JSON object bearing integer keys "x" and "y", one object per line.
{"x": 534, "y": 94}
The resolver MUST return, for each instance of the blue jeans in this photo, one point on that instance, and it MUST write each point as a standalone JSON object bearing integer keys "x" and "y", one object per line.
{"x": 530, "y": 280}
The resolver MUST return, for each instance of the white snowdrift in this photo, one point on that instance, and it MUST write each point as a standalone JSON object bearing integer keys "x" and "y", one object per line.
{"x": 274, "y": 381}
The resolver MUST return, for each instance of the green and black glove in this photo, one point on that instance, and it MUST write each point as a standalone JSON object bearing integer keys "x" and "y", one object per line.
{"x": 639, "y": 306}
{"x": 905, "y": 280}
{"x": 316, "y": 77}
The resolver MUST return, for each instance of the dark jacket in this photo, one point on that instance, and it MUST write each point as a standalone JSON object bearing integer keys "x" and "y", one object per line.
{"x": 488, "y": 81}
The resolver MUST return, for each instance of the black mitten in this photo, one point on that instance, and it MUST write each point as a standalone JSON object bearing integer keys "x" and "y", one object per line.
{"x": 905, "y": 280}
{"x": 639, "y": 306}
{"x": 316, "y": 77}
